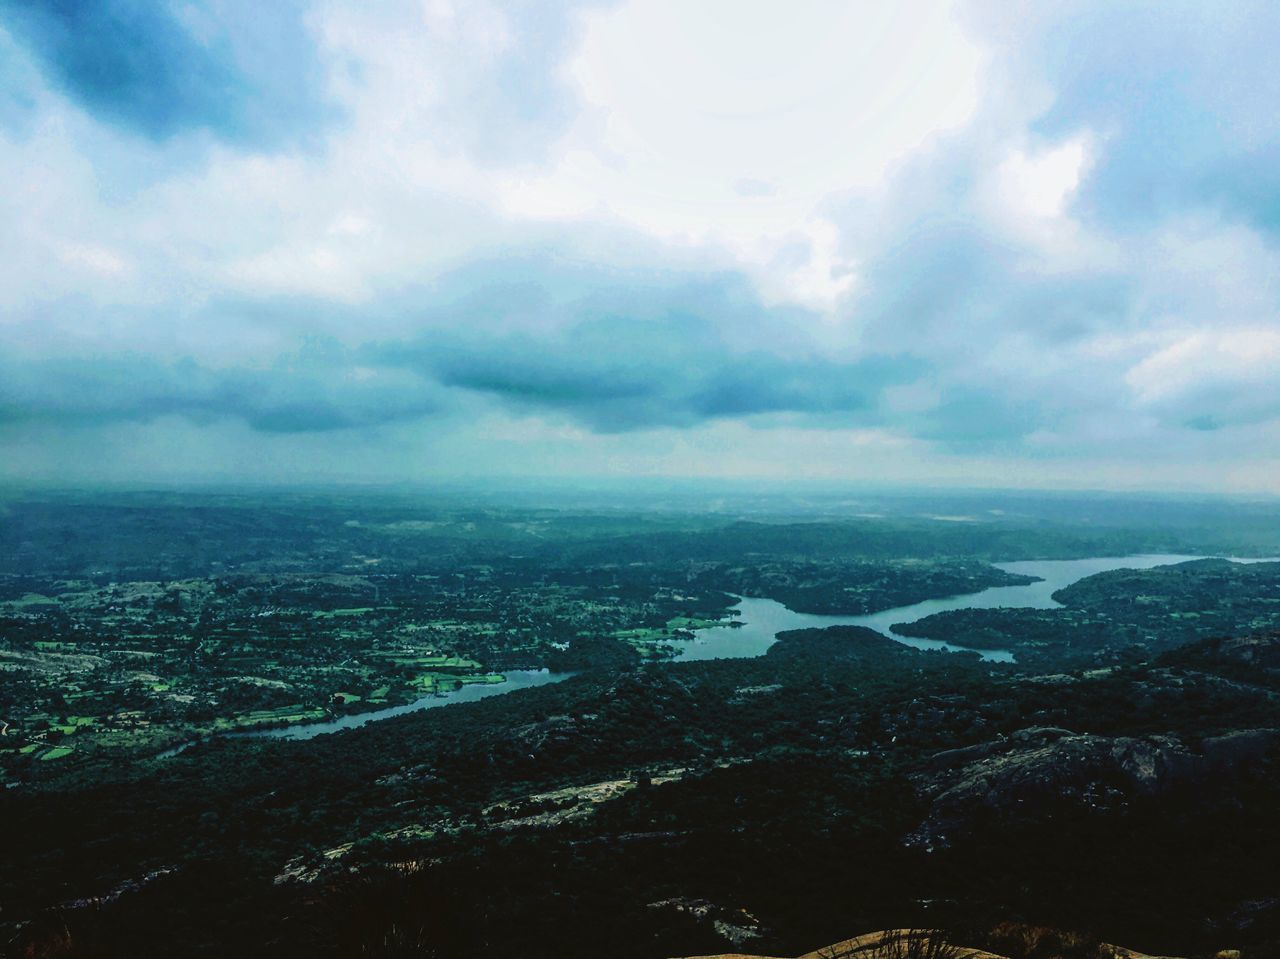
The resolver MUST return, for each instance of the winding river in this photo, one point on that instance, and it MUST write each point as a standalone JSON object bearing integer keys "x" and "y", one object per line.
{"x": 762, "y": 620}
{"x": 470, "y": 693}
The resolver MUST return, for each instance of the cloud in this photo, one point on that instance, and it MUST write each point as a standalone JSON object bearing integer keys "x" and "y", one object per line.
{"x": 1027, "y": 241}
{"x": 583, "y": 376}
{"x": 1211, "y": 379}
{"x": 618, "y": 350}
{"x": 614, "y": 353}
{"x": 1040, "y": 184}
{"x": 691, "y": 132}
{"x": 242, "y": 71}
{"x": 1174, "y": 91}
{"x": 302, "y": 394}
{"x": 477, "y": 79}
{"x": 609, "y": 350}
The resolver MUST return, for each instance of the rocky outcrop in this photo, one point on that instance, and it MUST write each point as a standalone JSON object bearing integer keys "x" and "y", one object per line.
{"x": 1237, "y": 748}
{"x": 1038, "y": 772}
{"x": 965, "y": 755}
{"x": 897, "y": 943}
{"x": 732, "y": 924}
{"x": 1260, "y": 652}
{"x": 534, "y": 738}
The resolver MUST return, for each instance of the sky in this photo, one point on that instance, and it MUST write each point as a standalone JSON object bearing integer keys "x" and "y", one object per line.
{"x": 929, "y": 243}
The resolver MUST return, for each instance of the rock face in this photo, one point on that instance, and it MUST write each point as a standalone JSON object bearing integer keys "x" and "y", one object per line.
{"x": 536, "y": 738}
{"x": 1036, "y": 772}
{"x": 736, "y": 925}
{"x": 1240, "y": 747}
{"x": 1259, "y": 651}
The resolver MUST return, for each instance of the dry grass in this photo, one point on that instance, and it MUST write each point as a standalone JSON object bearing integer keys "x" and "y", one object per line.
{"x": 900, "y": 944}
{"x": 1022, "y": 941}
{"x": 1006, "y": 941}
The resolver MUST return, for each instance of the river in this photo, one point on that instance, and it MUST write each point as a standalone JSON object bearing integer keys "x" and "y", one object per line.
{"x": 515, "y": 679}
{"x": 762, "y": 620}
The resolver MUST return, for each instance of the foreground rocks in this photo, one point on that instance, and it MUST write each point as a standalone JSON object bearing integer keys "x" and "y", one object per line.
{"x": 1038, "y": 772}
{"x": 931, "y": 944}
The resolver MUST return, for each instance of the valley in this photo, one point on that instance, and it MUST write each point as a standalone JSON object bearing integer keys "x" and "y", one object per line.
{"x": 490, "y": 742}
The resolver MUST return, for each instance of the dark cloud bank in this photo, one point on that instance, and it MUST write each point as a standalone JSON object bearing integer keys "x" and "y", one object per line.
{"x": 246, "y": 72}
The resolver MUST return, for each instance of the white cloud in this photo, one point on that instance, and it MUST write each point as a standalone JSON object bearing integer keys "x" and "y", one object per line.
{"x": 1206, "y": 361}
{"x": 923, "y": 184}
{"x": 689, "y": 102}
{"x": 1039, "y": 183}
{"x": 94, "y": 259}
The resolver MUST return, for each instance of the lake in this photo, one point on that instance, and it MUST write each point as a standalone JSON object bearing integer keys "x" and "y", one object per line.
{"x": 762, "y": 620}
{"x": 470, "y": 693}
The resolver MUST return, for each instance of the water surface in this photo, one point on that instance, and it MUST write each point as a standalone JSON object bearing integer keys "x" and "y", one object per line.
{"x": 763, "y": 619}
{"x": 469, "y": 693}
